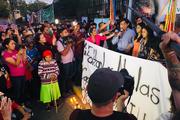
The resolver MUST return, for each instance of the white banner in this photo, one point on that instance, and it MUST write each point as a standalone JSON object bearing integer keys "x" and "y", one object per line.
{"x": 151, "y": 91}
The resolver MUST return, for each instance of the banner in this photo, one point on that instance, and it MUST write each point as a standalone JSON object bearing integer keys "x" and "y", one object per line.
{"x": 47, "y": 14}
{"x": 151, "y": 91}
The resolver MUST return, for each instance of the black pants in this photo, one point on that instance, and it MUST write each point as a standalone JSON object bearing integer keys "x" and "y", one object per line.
{"x": 78, "y": 71}
{"x": 36, "y": 83}
{"x": 3, "y": 84}
{"x": 66, "y": 77}
{"x": 18, "y": 84}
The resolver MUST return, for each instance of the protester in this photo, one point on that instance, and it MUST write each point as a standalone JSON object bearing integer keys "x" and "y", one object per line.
{"x": 42, "y": 44}
{"x": 48, "y": 71}
{"x": 16, "y": 64}
{"x": 173, "y": 65}
{"x": 103, "y": 92}
{"x": 125, "y": 38}
{"x": 79, "y": 39}
{"x": 137, "y": 39}
{"x": 149, "y": 45}
{"x": 65, "y": 48}
{"x": 95, "y": 38}
{"x": 49, "y": 35}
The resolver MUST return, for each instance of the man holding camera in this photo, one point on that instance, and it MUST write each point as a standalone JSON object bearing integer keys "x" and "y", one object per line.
{"x": 103, "y": 92}
{"x": 64, "y": 46}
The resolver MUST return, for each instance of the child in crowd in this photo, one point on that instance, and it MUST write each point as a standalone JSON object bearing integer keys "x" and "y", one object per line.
{"x": 48, "y": 71}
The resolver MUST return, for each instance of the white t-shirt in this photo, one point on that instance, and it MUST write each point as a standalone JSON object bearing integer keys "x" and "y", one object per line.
{"x": 67, "y": 58}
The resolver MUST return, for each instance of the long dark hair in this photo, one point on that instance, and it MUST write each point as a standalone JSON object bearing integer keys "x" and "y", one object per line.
{"x": 6, "y": 42}
{"x": 37, "y": 38}
{"x": 150, "y": 37}
{"x": 136, "y": 37}
{"x": 153, "y": 41}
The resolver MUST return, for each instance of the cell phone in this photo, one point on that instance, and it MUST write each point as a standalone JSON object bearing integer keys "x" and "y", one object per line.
{"x": 1, "y": 95}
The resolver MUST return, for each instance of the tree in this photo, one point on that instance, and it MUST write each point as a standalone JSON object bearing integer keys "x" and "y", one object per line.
{"x": 32, "y": 7}
{"x": 4, "y": 9}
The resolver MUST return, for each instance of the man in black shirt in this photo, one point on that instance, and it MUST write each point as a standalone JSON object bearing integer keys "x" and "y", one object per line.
{"x": 103, "y": 89}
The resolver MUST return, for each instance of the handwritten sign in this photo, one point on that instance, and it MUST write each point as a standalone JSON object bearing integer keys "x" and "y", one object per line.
{"x": 151, "y": 94}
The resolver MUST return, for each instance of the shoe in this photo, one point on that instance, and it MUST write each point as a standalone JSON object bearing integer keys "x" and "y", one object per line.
{"x": 48, "y": 108}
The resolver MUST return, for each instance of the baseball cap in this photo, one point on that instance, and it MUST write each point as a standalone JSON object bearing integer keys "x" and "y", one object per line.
{"x": 103, "y": 85}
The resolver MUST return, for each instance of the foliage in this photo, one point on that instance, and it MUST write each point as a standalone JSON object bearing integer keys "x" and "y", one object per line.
{"x": 32, "y": 7}
{"x": 4, "y": 10}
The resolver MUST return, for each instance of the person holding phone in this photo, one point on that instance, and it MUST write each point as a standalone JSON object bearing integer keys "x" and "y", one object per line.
{"x": 15, "y": 61}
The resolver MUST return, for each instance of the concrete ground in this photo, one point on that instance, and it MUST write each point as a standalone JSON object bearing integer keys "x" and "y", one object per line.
{"x": 64, "y": 109}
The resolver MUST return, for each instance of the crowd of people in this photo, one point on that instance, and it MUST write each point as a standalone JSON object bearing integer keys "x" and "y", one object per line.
{"x": 44, "y": 61}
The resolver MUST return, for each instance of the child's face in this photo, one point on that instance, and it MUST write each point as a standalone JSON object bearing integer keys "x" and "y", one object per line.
{"x": 48, "y": 58}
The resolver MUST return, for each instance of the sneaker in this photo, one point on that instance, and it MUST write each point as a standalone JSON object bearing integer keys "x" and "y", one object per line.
{"x": 48, "y": 108}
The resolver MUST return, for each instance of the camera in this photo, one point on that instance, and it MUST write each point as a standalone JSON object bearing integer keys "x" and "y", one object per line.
{"x": 19, "y": 47}
{"x": 128, "y": 82}
{"x": 1, "y": 95}
{"x": 67, "y": 40}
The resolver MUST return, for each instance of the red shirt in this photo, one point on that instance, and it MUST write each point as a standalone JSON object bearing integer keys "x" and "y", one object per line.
{"x": 48, "y": 38}
{"x": 98, "y": 38}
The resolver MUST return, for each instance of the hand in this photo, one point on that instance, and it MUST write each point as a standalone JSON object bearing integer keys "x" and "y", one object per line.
{"x": 53, "y": 77}
{"x": 21, "y": 52}
{"x": 125, "y": 96}
{"x": 27, "y": 116}
{"x": 69, "y": 44}
{"x": 1, "y": 93}
{"x": 54, "y": 40}
{"x": 106, "y": 32}
{"x": 1, "y": 73}
{"x": 120, "y": 33}
{"x": 112, "y": 22}
{"x": 16, "y": 32}
{"x": 5, "y": 108}
{"x": 168, "y": 53}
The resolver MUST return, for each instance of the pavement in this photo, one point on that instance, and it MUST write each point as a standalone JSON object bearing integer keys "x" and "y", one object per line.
{"x": 65, "y": 108}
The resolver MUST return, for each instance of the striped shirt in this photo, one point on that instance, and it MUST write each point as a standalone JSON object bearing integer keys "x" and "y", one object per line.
{"x": 46, "y": 69}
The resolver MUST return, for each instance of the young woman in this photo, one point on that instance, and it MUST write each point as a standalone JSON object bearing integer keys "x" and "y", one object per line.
{"x": 16, "y": 63}
{"x": 95, "y": 38}
{"x": 149, "y": 45}
{"x": 137, "y": 39}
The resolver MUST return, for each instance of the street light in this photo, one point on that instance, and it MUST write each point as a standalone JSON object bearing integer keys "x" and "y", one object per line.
{"x": 56, "y": 21}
